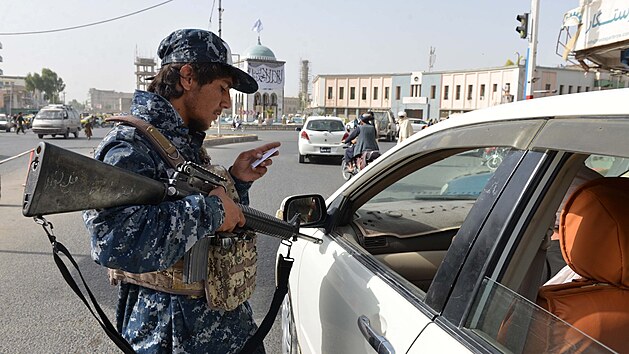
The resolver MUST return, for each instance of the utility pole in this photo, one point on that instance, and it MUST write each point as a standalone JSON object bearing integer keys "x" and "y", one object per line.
{"x": 220, "y": 32}
{"x": 531, "y": 52}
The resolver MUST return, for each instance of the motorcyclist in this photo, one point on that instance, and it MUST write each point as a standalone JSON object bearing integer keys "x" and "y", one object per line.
{"x": 365, "y": 139}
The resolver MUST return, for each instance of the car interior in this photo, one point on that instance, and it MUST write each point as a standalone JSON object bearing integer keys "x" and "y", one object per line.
{"x": 409, "y": 225}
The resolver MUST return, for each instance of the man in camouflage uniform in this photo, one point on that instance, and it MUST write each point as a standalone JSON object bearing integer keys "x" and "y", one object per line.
{"x": 189, "y": 92}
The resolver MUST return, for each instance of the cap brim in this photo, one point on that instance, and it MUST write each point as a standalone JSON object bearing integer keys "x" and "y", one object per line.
{"x": 243, "y": 82}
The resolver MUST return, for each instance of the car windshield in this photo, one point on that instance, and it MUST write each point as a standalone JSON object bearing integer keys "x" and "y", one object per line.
{"x": 50, "y": 114}
{"x": 322, "y": 125}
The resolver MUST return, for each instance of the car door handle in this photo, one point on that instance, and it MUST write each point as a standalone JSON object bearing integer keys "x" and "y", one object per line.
{"x": 377, "y": 342}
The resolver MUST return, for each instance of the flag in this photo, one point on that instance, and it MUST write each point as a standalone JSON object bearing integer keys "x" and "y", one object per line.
{"x": 257, "y": 27}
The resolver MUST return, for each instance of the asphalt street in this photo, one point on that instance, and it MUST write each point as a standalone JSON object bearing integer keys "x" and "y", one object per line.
{"x": 41, "y": 314}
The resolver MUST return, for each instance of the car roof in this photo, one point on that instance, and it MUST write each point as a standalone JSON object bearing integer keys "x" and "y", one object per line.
{"x": 323, "y": 118}
{"x": 587, "y": 104}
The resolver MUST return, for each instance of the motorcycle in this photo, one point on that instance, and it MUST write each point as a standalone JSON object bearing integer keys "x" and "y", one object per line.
{"x": 360, "y": 163}
{"x": 238, "y": 126}
{"x": 493, "y": 156}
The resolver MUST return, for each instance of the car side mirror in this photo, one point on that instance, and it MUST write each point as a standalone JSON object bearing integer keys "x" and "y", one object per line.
{"x": 298, "y": 129}
{"x": 309, "y": 209}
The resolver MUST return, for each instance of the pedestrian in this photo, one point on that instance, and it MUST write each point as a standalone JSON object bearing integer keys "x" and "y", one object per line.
{"x": 19, "y": 121}
{"x": 362, "y": 138}
{"x": 157, "y": 311}
{"x": 88, "y": 128}
{"x": 406, "y": 129}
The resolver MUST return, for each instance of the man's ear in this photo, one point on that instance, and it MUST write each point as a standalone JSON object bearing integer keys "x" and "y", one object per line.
{"x": 185, "y": 77}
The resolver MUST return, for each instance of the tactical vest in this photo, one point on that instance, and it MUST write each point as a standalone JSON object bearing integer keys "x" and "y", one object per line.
{"x": 231, "y": 270}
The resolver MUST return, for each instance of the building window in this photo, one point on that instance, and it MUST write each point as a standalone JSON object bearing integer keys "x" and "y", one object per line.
{"x": 352, "y": 93}
{"x": 398, "y": 92}
{"x": 587, "y": 88}
{"x": 494, "y": 88}
{"x": 416, "y": 90}
{"x": 561, "y": 89}
{"x": 364, "y": 94}
{"x": 469, "y": 92}
{"x": 482, "y": 91}
{"x": 578, "y": 89}
{"x": 386, "y": 93}
{"x": 547, "y": 87}
{"x": 375, "y": 93}
{"x": 446, "y": 92}
{"x": 329, "y": 93}
{"x": 569, "y": 89}
{"x": 457, "y": 92}
{"x": 433, "y": 92}
{"x": 341, "y": 92}
{"x": 507, "y": 88}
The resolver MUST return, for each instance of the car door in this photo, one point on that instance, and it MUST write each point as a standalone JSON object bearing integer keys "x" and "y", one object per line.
{"x": 364, "y": 288}
{"x": 492, "y": 306}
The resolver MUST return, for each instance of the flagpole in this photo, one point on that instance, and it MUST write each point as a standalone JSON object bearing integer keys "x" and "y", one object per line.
{"x": 220, "y": 32}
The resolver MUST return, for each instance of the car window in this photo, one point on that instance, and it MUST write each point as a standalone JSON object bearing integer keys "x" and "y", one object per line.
{"x": 500, "y": 314}
{"x": 50, "y": 114}
{"x": 505, "y": 310}
{"x": 325, "y": 125}
{"x": 409, "y": 225}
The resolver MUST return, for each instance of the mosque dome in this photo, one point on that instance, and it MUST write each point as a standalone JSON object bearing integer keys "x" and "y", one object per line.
{"x": 259, "y": 52}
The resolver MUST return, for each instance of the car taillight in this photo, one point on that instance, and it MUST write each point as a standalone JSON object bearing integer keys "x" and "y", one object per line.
{"x": 345, "y": 136}
{"x": 304, "y": 135}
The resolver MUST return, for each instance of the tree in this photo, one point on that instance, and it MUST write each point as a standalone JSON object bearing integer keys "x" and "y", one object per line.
{"x": 48, "y": 82}
{"x": 509, "y": 62}
{"x": 77, "y": 105}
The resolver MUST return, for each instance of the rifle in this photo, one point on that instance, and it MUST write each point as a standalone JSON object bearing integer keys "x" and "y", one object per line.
{"x": 61, "y": 181}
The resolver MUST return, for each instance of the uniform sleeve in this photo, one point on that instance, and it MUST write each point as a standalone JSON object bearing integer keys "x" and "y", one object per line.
{"x": 145, "y": 238}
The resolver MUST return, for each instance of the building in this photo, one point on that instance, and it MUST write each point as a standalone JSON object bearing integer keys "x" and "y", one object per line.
{"x": 14, "y": 97}
{"x": 350, "y": 95}
{"x": 292, "y": 105}
{"x": 144, "y": 69}
{"x": 108, "y": 101}
{"x": 268, "y": 102}
{"x": 437, "y": 95}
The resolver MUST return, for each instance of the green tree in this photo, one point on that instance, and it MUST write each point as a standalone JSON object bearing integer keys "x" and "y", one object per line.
{"x": 509, "y": 62}
{"x": 48, "y": 82}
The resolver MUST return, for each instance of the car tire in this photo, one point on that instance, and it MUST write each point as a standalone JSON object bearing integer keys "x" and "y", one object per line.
{"x": 76, "y": 134}
{"x": 302, "y": 158}
{"x": 66, "y": 134}
{"x": 41, "y": 136}
{"x": 290, "y": 345}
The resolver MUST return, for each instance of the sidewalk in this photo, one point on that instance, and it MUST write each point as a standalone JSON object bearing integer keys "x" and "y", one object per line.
{"x": 212, "y": 140}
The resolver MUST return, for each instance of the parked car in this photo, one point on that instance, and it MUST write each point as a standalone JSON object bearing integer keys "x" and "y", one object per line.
{"x": 57, "y": 119}
{"x": 321, "y": 136}
{"x": 418, "y": 124}
{"x": 386, "y": 125}
{"x": 6, "y": 123}
{"x": 429, "y": 250}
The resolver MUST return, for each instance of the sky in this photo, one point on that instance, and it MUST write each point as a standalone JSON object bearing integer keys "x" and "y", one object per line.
{"x": 336, "y": 36}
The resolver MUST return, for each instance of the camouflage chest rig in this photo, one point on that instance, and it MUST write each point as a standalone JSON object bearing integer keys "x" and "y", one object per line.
{"x": 222, "y": 268}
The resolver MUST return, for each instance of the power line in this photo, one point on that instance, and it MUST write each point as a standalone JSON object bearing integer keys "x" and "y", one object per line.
{"x": 85, "y": 25}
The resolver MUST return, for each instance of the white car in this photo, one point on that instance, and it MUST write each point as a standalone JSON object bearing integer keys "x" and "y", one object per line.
{"x": 418, "y": 124}
{"x": 321, "y": 136}
{"x": 429, "y": 250}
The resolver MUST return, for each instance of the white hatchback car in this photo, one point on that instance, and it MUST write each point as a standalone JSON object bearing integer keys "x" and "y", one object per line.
{"x": 429, "y": 250}
{"x": 321, "y": 136}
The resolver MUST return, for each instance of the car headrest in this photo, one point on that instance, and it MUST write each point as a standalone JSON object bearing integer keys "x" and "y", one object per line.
{"x": 594, "y": 231}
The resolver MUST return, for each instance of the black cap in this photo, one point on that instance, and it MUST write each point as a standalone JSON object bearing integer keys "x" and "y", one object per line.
{"x": 201, "y": 46}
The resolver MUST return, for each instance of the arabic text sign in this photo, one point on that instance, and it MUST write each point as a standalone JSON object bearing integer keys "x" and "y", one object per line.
{"x": 604, "y": 22}
{"x": 268, "y": 77}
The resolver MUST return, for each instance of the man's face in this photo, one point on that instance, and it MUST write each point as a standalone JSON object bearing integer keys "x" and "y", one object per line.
{"x": 203, "y": 104}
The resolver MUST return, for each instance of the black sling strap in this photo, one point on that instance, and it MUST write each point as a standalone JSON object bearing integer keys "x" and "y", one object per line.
{"x": 102, "y": 319}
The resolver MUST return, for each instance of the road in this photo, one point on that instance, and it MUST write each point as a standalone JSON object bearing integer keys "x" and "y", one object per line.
{"x": 40, "y": 312}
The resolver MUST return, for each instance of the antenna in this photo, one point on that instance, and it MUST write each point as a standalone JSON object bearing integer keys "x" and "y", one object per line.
{"x": 432, "y": 58}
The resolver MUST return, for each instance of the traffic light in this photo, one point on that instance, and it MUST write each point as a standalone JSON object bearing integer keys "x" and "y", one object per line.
{"x": 523, "y": 28}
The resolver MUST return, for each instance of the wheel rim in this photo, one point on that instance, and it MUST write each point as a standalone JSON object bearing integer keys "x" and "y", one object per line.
{"x": 346, "y": 174}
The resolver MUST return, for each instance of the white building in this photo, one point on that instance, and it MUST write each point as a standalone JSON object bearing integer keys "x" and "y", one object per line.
{"x": 267, "y": 103}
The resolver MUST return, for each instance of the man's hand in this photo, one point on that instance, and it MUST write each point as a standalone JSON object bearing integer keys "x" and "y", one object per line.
{"x": 233, "y": 214}
{"x": 242, "y": 169}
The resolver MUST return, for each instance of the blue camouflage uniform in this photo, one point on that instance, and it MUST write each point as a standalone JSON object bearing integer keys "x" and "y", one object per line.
{"x": 145, "y": 238}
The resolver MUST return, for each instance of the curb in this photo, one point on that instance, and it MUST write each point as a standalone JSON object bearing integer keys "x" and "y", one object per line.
{"x": 220, "y": 140}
